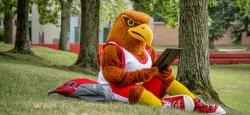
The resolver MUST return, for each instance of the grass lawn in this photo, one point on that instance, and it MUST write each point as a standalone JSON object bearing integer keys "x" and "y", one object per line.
{"x": 25, "y": 81}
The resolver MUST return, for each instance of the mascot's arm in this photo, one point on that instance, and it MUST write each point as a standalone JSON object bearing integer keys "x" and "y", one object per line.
{"x": 116, "y": 75}
{"x": 167, "y": 72}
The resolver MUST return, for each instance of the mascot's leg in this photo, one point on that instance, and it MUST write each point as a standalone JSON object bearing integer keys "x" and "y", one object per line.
{"x": 172, "y": 87}
{"x": 158, "y": 87}
{"x": 135, "y": 94}
{"x": 139, "y": 94}
{"x": 176, "y": 88}
{"x": 161, "y": 85}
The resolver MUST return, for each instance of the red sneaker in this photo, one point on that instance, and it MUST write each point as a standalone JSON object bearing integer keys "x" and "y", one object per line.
{"x": 182, "y": 102}
{"x": 200, "y": 106}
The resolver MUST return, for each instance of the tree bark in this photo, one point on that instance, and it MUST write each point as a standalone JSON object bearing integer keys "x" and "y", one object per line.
{"x": 65, "y": 24}
{"x": 8, "y": 26}
{"x": 87, "y": 59}
{"x": 22, "y": 42}
{"x": 193, "y": 70}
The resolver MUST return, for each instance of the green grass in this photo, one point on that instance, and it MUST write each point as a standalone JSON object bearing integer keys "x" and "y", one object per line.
{"x": 25, "y": 81}
{"x": 232, "y": 82}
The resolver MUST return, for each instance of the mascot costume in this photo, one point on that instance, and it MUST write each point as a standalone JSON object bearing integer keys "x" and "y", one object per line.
{"x": 126, "y": 68}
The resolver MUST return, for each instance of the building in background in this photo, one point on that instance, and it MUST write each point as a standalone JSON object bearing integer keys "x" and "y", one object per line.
{"x": 164, "y": 36}
{"x": 50, "y": 33}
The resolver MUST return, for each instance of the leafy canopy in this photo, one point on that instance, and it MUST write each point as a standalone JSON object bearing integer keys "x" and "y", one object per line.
{"x": 49, "y": 10}
{"x": 162, "y": 10}
{"x": 230, "y": 16}
{"x": 109, "y": 9}
{"x": 7, "y": 6}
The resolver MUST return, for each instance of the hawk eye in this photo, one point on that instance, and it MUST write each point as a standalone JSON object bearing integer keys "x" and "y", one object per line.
{"x": 130, "y": 22}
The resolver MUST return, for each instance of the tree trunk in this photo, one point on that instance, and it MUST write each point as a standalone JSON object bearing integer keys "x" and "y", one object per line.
{"x": 193, "y": 70}
{"x": 22, "y": 42}
{"x": 65, "y": 25}
{"x": 8, "y": 26}
{"x": 212, "y": 46}
{"x": 248, "y": 36}
{"x": 87, "y": 59}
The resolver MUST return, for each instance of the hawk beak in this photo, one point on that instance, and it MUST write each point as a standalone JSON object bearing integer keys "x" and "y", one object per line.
{"x": 142, "y": 32}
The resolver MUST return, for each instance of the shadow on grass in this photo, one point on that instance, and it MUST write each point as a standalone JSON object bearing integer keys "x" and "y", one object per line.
{"x": 39, "y": 61}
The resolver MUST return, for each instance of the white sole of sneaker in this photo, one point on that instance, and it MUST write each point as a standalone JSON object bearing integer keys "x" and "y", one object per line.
{"x": 219, "y": 111}
{"x": 189, "y": 103}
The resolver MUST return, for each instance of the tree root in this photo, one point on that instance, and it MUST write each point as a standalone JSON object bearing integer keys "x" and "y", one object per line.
{"x": 21, "y": 51}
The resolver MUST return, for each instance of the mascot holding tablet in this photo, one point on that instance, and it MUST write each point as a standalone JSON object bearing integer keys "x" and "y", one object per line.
{"x": 126, "y": 66}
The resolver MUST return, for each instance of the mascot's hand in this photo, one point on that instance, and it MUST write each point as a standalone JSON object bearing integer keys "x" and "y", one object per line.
{"x": 147, "y": 73}
{"x": 164, "y": 75}
{"x": 119, "y": 77}
{"x": 167, "y": 71}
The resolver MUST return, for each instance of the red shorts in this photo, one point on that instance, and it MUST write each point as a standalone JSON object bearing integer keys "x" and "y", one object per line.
{"x": 155, "y": 86}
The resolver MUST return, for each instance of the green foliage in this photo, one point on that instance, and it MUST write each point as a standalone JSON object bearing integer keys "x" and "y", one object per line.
{"x": 76, "y": 7}
{"x": 229, "y": 16}
{"x": 215, "y": 31}
{"x": 109, "y": 9}
{"x": 244, "y": 5}
{"x": 1, "y": 7}
{"x": 221, "y": 15}
{"x": 146, "y": 6}
{"x": 168, "y": 11}
{"x": 240, "y": 27}
{"x": 49, "y": 11}
{"x": 163, "y": 10}
{"x": 8, "y": 6}
{"x": 212, "y": 3}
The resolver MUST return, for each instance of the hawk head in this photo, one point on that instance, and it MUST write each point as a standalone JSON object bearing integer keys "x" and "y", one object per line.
{"x": 131, "y": 29}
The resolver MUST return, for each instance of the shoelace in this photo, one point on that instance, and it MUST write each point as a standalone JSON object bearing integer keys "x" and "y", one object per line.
{"x": 210, "y": 106}
{"x": 175, "y": 105}
{"x": 201, "y": 100}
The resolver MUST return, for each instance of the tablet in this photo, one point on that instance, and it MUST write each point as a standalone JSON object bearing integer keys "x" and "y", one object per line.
{"x": 167, "y": 58}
